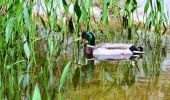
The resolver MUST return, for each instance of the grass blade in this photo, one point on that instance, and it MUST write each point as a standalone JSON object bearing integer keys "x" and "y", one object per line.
{"x": 66, "y": 7}
{"x": 84, "y": 13}
{"x": 8, "y": 31}
{"x": 146, "y": 6}
{"x": 43, "y": 22}
{"x": 36, "y": 94}
{"x": 88, "y": 4}
{"x": 77, "y": 9}
{"x": 27, "y": 18}
{"x": 26, "y": 48}
{"x": 64, "y": 74}
{"x": 2, "y": 2}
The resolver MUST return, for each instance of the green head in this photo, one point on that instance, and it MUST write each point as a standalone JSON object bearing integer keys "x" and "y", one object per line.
{"x": 89, "y": 36}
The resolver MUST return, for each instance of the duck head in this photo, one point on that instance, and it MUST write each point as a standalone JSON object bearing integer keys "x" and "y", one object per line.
{"x": 89, "y": 36}
{"x": 89, "y": 47}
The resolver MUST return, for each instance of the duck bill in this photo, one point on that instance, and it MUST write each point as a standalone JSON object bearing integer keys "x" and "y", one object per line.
{"x": 84, "y": 41}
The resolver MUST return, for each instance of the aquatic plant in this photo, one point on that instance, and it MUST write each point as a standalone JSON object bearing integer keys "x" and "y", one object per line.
{"x": 154, "y": 17}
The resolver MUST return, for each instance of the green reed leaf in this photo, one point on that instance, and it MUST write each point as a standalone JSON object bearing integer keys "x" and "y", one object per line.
{"x": 148, "y": 21}
{"x": 36, "y": 94}
{"x": 8, "y": 30}
{"x": 64, "y": 74}
{"x": 27, "y": 18}
{"x": 105, "y": 4}
{"x": 43, "y": 22}
{"x": 146, "y": 6}
{"x": 66, "y": 7}
{"x": 162, "y": 6}
{"x": 134, "y": 5}
{"x": 18, "y": 9}
{"x": 84, "y": 13}
{"x": 26, "y": 47}
{"x": 88, "y": 4}
{"x": 158, "y": 5}
{"x": 77, "y": 9}
{"x": 46, "y": 2}
{"x": 53, "y": 19}
{"x": 2, "y": 2}
{"x": 1, "y": 19}
{"x": 151, "y": 4}
{"x": 51, "y": 45}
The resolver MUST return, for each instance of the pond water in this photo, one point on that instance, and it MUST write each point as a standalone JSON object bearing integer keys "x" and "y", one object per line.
{"x": 144, "y": 78}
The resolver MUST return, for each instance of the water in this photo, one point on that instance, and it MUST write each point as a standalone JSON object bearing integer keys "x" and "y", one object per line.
{"x": 146, "y": 78}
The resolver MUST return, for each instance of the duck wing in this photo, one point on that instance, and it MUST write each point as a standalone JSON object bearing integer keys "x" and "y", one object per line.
{"x": 114, "y": 46}
{"x": 111, "y": 52}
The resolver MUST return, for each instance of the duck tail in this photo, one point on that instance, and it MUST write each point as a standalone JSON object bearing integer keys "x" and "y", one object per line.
{"x": 140, "y": 48}
{"x": 133, "y": 48}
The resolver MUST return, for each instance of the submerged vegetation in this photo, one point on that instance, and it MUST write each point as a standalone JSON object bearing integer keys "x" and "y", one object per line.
{"x": 41, "y": 56}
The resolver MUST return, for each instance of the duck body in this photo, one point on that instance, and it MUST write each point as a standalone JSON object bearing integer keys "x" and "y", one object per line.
{"x": 110, "y": 51}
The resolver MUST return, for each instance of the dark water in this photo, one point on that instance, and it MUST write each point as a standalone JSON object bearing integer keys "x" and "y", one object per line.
{"x": 145, "y": 78}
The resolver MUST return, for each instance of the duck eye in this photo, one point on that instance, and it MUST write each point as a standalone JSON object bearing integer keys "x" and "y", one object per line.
{"x": 87, "y": 36}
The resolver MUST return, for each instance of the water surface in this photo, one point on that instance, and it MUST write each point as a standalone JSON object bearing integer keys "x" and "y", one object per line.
{"x": 146, "y": 78}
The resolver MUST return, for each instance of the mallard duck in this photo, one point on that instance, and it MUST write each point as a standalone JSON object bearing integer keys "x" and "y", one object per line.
{"x": 108, "y": 50}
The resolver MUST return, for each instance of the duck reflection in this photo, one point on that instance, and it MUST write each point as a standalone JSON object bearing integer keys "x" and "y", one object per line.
{"x": 84, "y": 74}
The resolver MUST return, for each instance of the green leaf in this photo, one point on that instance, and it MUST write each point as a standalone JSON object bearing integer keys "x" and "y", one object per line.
{"x": 51, "y": 45}
{"x": 158, "y": 5}
{"x": 8, "y": 30}
{"x": 27, "y": 18}
{"x": 1, "y": 19}
{"x": 36, "y": 94}
{"x": 162, "y": 6}
{"x": 146, "y": 6}
{"x": 88, "y": 4}
{"x": 58, "y": 4}
{"x": 107, "y": 2}
{"x": 151, "y": 4}
{"x": 26, "y": 48}
{"x": 66, "y": 7}
{"x": 64, "y": 74}
{"x": 148, "y": 21}
{"x": 134, "y": 5}
{"x": 84, "y": 13}
{"x": 2, "y": 2}
{"x": 77, "y": 9}
{"x": 18, "y": 9}
{"x": 43, "y": 22}
{"x": 53, "y": 19}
